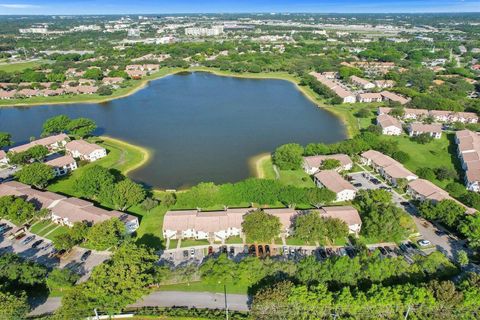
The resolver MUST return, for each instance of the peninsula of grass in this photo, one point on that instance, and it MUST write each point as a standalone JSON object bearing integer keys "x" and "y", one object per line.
{"x": 121, "y": 156}
{"x": 264, "y": 170}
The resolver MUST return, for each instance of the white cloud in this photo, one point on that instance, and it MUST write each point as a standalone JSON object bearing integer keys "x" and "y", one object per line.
{"x": 17, "y": 6}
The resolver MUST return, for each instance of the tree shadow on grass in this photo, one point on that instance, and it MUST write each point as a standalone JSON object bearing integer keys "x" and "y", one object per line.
{"x": 151, "y": 240}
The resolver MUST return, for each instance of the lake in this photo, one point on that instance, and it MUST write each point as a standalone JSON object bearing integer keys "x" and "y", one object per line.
{"x": 199, "y": 126}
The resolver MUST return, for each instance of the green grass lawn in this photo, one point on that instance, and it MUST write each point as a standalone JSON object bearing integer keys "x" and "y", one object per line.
{"x": 191, "y": 243}
{"x": 297, "y": 178}
{"x": 12, "y": 67}
{"x": 234, "y": 240}
{"x": 57, "y": 231}
{"x": 150, "y": 230}
{"x": 438, "y": 153}
{"x": 267, "y": 168}
{"x": 39, "y": 226}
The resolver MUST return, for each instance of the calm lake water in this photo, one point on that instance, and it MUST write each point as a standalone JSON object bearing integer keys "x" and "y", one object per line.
{"x": 200, "y": 127}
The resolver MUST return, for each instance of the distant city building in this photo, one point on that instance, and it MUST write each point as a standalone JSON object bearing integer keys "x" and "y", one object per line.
{"x": 204, "y": 32}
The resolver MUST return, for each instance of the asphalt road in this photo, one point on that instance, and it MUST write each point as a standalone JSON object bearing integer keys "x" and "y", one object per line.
{"x": 206, "y": 300}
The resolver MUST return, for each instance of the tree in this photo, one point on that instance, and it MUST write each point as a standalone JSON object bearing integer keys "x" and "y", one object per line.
{"x": 64, "y": 241}
{"x": 5, "y": 139}
{"x": 462, "y": 258}
{"x": 445, "y": 173}
{"x": 61, "y": 279}
{"x": 167, "y": 199}
{"x": 220, "y": 270}
{"x": 288, "y": 156}
{"x": 105, "y": 91}
{"x": 346, "y": 72}
{"x": 106, "y": 234}
{"x": 114, "y": 284}
{"x": 37, "y": 152}
{"x": 401, "y": 156}
{"x": 37, "y": 174}
{"x": 93, "y": 73}
{"x": 330, "y": 164}
{"x": 310, "y": 228}
{"x": 126, "y": 193}
{"x": 16, "y": 209}
{"x": 398, "y": 112}
{"x": 81, "y": 127}
{"x": 335, "y": 229}
{"x": 426, "y": 173}
{"x": 470, "y": 228}
{"x": 56, "y": 125}
{"x": 364, "y": 113}
{"x": 13, "y": 307}
{"x": 149, "y": 203}
{"x": 456, "y": 189}
{"x": 262, "y": 227}
{"x": 423, "y": 138}
{"x": 94, "y": 180}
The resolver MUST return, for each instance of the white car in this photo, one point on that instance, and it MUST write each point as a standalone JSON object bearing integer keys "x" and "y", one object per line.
{"x": 424, "y": 243}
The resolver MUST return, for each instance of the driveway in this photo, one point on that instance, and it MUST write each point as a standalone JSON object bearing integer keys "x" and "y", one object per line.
{"x": 440, "y": 238}
{"x": 42, "y": 254}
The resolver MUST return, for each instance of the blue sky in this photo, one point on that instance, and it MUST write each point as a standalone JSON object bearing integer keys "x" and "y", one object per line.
{"x": 214, "y": 6}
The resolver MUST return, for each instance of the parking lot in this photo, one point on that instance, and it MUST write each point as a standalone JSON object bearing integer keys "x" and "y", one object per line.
{"x": 35, "y": 248}
{"x": 184, "y": 256}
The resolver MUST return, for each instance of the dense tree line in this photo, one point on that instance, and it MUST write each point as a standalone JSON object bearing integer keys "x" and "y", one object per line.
{"x": 260, "y": 191}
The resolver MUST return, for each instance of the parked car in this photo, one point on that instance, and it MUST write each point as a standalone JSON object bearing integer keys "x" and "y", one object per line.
{"x": 350, "y": 252}
{"x": 252, "y": 250}
{"x": 232, "y": 251}
{"x": 5, "y": 229}
{"x": 375, "y": 181}
{"x": 285, "y": 250}
{"x": 440, "y": 233}
{"x": 185, "y": 253}
{"x": 383, "y": 251}
{"x": 260, "y": 250}
{"x": 322, "y": 253}
{"x": 85, "y": 255}
{"x": 357, "y": 185}
{"x": 28, "y": 239}
{"x": 192, "y": 253}
{"x": 210, "y": 250}
{"x": 37, "y": 243}
{"x": 267, "y": 250}
{"x": 424, "y": 243}
{"x": 342, "y": 252}
{"x": 405, "y": 203}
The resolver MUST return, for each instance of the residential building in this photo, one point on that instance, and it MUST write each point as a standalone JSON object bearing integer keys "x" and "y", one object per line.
{"x": 84, "y": 150}
{"x": 384, "y": 84}
{"x": 62, "y": 165}
{"x": 52, "y": 143}
{"x": 347, "y": 214}
{"x": 346, "y": 95}
{"x": 334, "y": 182}
{"x": 361, "y": 83}
{"x": 423, "y": 190}
{"x": 313, "y": 164}
{"x": 66, "y": 211}
{"x": 388, "y": 168}
{"x": 437, "y": 115}
{"x": 389, "y": 125}
{"x": 369, "y": 97}
{"x": 220, "y": 225}
{"x": 390, "y": 96}
{"x": 204, "y": 32}
{"x": 213, "y": 226}
{"x": 468, "y": 149}
{"x": 433, "y": 130}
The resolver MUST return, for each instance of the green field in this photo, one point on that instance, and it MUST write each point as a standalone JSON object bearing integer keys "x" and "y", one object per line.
{"x": 12, "y": 67}
{"x": 298, "y": 178}
{"x": 438, "y": 153}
